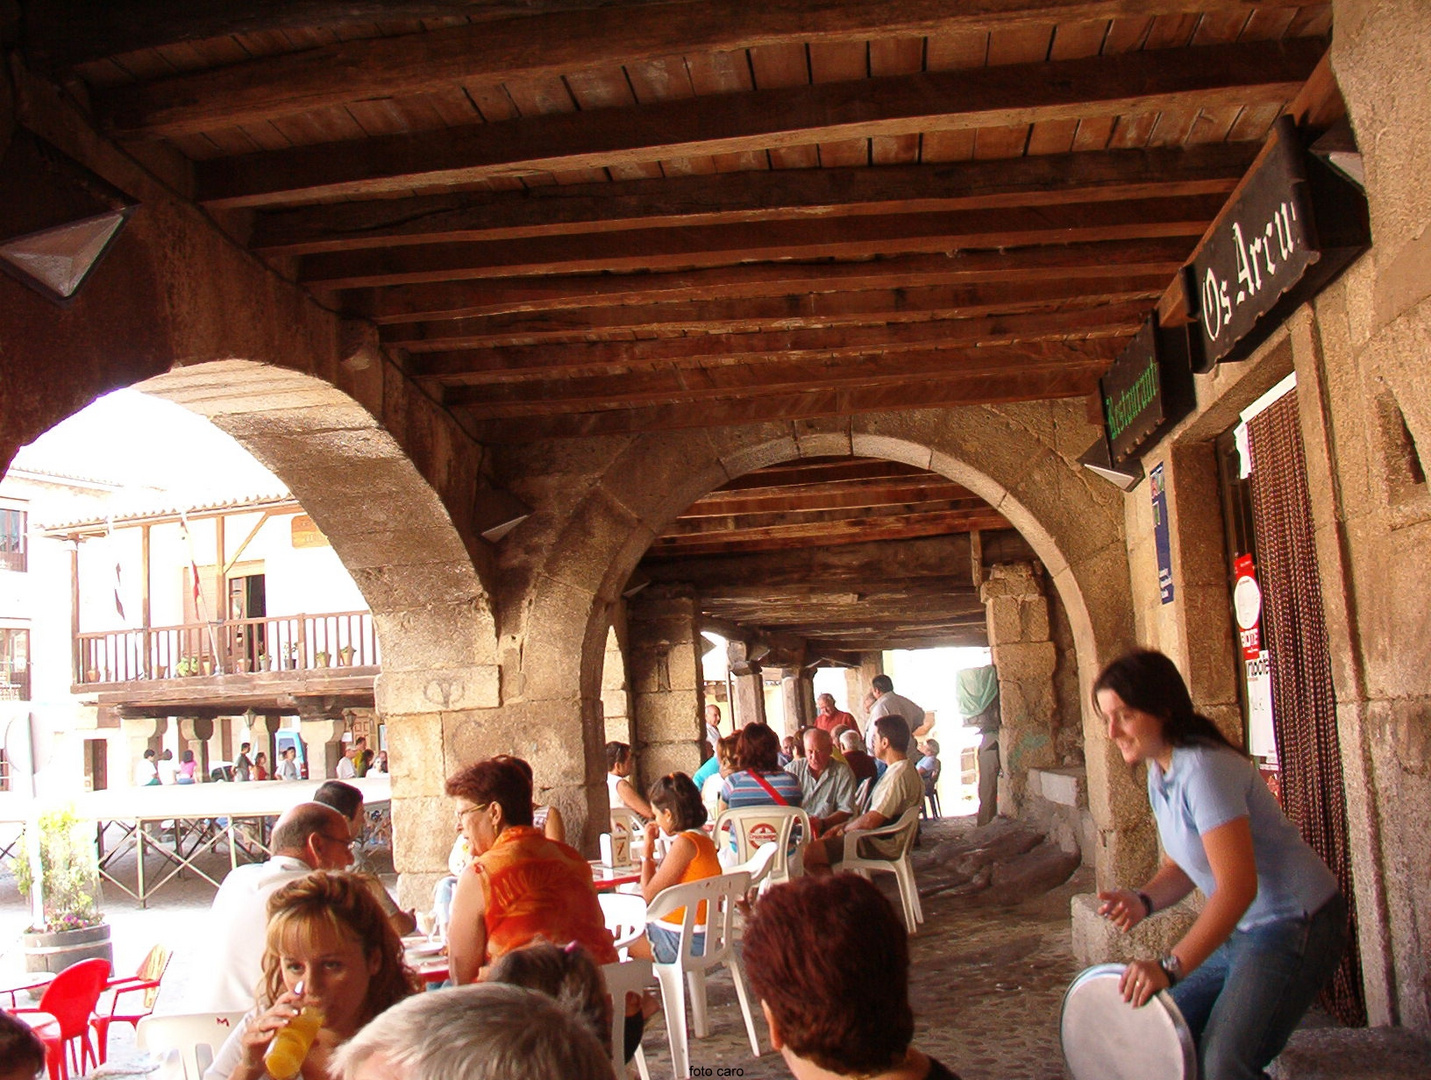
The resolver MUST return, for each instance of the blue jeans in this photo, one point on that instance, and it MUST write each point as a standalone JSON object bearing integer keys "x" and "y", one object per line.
{"x": 666, "y": 944}
{"x": 1247, "y": 998}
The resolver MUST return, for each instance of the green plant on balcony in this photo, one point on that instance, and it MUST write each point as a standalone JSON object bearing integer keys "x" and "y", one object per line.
{"x": 187, "y": 665}
{"x": 69, "y": 873}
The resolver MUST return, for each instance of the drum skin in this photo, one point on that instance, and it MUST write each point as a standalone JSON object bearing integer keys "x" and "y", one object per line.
{"x": 1105, "y": 1038}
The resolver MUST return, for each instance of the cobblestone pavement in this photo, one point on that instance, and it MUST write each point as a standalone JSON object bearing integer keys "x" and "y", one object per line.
{"x": 986, "y": 982}
{"x": 986, "y": 985}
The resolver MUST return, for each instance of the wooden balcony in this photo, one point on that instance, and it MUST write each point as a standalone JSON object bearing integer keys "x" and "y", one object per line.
{"x": 284, "y": 664}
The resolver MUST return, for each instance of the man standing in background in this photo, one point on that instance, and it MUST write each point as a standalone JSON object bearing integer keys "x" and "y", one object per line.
{"x": 888, "y": 703}
{"x": 979, "y": 705}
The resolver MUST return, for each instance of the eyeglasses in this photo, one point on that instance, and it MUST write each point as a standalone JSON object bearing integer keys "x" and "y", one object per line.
{"x": 462, "y": 814}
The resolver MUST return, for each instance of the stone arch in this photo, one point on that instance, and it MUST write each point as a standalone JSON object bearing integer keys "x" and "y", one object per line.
{"x": 431, "y": 610}
{"x": 1021, "y": 458}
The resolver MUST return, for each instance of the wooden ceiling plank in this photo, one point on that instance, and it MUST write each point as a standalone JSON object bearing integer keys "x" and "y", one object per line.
{"x": 495, "y": 51}
{"x": 1245, "y": 72}
{"x": 858, "y": 518}
{"x": 819, "y": 471}
{"x": 467, "y": 299}
{"x": 767, "y": 195}
{"x": 726, "y": 383}
{"x": 788, "y": 313}
{"x": 762, "y": 350}
{"x": 714, "y": 245}
{"x": 864, "y": 495}
{"x": 790, "y": 539}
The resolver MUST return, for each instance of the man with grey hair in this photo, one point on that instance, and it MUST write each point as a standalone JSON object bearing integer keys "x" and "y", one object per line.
{"x": 225, "y": 964}
{"x": 486, "y": 1031}
{"x": 888, "y": 703}
{"x": 828, "y": 786}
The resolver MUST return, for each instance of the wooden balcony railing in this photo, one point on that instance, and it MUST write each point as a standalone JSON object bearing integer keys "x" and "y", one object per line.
{"x": 234, "y": 647}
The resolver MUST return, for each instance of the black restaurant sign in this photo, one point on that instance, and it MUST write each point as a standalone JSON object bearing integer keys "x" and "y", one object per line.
{"x": 1132, "y": 394}
{"x": 1261, "y": 245}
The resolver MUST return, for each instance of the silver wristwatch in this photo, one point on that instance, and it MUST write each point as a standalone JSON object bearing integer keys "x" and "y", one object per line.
{"x": 1172, "y": 968}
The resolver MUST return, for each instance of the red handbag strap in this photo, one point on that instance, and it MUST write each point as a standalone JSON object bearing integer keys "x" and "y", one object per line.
{"x": 769, "y": 789}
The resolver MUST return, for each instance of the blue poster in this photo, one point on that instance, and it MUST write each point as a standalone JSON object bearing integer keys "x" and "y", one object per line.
{"x": 1161, "y": 540}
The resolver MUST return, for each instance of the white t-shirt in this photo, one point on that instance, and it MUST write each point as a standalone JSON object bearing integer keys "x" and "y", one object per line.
{"x": 891, "y": 704}
{"x": 225, "y": 963}
{"x": 614, "y": 796}
{"x": 346, "y": 769}
{"x": 144, "y": 772}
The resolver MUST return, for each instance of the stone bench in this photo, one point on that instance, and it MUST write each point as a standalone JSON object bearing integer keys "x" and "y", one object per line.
{"x": 1354, "y": 1054}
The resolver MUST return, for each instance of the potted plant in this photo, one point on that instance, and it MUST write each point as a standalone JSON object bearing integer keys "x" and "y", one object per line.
{"x": 73, "y": 927}
{"x": 320, "y": 658}
{"x": 345, "y": 656}
{"x": 187, "y": 665}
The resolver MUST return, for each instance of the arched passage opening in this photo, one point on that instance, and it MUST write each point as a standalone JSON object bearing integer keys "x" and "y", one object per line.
{"x": 1019, "y": 458}
{"x": 430, "y": 609}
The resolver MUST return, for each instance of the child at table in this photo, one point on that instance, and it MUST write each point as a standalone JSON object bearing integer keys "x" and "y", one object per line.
{"x": 690, "y": 856}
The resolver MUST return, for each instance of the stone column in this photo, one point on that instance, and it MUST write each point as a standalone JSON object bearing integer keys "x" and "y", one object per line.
{"x": 138, "y": 737}
{"x": 748, "y": 706}
{"x": 1025, "y": 657}
{"x": 664, "y": 650}
{"x": 194, "y": 734}
{"x": 799, "y": 696}
{"x": 323, "y": 739}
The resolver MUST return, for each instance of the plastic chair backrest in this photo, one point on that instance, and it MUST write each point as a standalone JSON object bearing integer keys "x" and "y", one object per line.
{"x": 625, "y": 916}
{"x": 627, "y": 977}
{"x": 195, "y": 1037}
{"x": 753, "y": 826}
{"x": 863, "y": 792}
{"x": 73, "y": 994}
{"x": 904, "y": 831}
{"x": 719, "y": 894}
{"x": 758, "y": 865}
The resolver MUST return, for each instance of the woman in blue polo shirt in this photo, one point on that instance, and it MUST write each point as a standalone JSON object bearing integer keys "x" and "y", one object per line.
{"x": 1275, "y": 923}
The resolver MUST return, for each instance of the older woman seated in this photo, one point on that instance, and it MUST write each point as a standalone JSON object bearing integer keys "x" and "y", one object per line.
{"x": 829, "y": 960}
{"x": 520, "y": 886}
{"x": 484, "y": 1032}
{"x": 329, "y": 949}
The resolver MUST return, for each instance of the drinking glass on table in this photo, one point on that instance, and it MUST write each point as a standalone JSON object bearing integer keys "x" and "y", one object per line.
{"x": 427, "y": 923}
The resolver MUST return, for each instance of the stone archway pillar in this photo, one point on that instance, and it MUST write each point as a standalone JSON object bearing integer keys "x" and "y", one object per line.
{"x": 137, "y": 734}
{"x": 748, "y": 705}
{"x": 194, "y": 734}
{"x": 665, "y": 657}
{"x": 798, "y": 690}
{"x": 1013, "y": 595}
{"x": 323, "y": 739}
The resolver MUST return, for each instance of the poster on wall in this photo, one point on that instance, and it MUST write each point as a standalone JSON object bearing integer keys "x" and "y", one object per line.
{"x": 1162, "y": 540}
{"x": 1247, "y": 609}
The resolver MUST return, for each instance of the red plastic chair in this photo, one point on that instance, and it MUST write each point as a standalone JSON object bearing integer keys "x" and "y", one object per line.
{"x": 71, "y": 999}
{"x": 145, "y": 980}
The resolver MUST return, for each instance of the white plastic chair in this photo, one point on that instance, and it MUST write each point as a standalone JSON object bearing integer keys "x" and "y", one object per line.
{"x": 753, "y": 826}
{"x": 625, "y": 917}
{"x": 632, "y": 823}
{"x": 758, "y": 865}
{"x": 719, "y": 894}
{"x": 897, "y": 864}
{"x": 627, "y": 977}
{"x": 185, "y": 1044}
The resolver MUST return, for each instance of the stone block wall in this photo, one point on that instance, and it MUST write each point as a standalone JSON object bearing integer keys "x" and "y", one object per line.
{"x": 666, "y": 684}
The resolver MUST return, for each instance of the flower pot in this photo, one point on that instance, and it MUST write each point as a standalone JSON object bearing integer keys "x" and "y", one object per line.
{"x": 57, "y": 951}
{"x": 206, "y": 665}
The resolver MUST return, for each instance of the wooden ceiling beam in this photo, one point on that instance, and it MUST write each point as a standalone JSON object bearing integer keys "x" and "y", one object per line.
{"x": 531, "y": 363}
{"x": 1013, "y": 383}
{"x": 946, "y": 519}
{"x": 811, "y": 471}
{"x": 1154, "y": 172}
{"x": 726, "y": 382}
{"x": 862, "y": 495}
{"x": 788, "y": 540}
{"x": 1214, "y": 76}
{"x": 471, "y": 299}
{"x": 791, "y": 313}
{"x": 864, "y": 517}
{"x": 717, "y": 245}
{"x": 483, "y": 55}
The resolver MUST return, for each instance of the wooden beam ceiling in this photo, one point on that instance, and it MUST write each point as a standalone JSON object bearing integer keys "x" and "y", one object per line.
{"x": 1241, "y": 74}
{"x": 571, "y": 218}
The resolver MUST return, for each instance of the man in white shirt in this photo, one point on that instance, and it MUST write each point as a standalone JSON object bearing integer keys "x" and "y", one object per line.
{"x": 888, "y": 703}
{"x": 896, "y": 792}
{"x": 225, "y": 964}
{"x": 346, "y": 769}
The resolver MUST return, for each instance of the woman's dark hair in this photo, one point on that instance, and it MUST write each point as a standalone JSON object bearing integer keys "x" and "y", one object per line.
{"x": 20, "y": 1046}
{"x": 728, "y": 750}
{"x": 616, "y": 753}
{"x": 678, "y": 793}
{"x": 814, "y": 949}
{"x": 187, "y": 756}
{"x": 1148, "y": 681}
{"x": 496, "y": 780}
{"x": 758, "y": 749}
{"x": 344, "y": 798}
